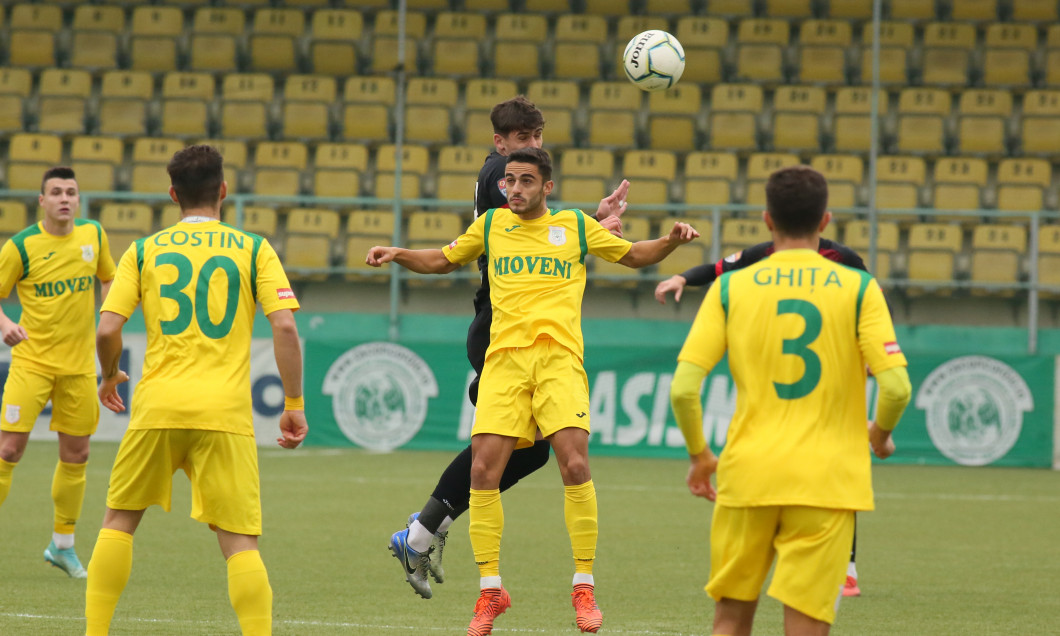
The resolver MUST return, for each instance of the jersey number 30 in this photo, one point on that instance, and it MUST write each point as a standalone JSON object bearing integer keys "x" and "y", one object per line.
{"x": 200, "y": 309}
{"x": 799, "y": 346}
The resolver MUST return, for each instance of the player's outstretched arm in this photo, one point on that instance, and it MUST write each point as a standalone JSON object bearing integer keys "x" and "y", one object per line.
{"x": 108, "y": 348}
{"x": 288, "y": 352}
{"x": 613, "y": 204}
{"x": 419, "y": 261}
{"x": 644, "y": 253}
{"x": 675, "y": 284}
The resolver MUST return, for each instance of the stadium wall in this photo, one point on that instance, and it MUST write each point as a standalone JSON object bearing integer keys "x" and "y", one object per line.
{"x": 979, "y": 398}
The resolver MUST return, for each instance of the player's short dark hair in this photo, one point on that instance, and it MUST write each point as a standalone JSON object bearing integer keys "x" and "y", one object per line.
{"x": 197, "y": 173}
{"x": 58, "y": 172}
{"x": 534, "y": 156}
{"x": 797, "y": 197}
{"x": 518, "y": 113}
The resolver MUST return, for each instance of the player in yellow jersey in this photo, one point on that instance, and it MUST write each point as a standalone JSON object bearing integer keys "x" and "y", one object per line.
{"x": 54, "y": 264}
{"x": 533, "y": 378}
{"x": 799, "y": 330}
{"x": 198, "y": 282}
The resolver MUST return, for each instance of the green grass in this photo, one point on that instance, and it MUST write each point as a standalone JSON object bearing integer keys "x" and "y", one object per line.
{"x": 949, "y": 551}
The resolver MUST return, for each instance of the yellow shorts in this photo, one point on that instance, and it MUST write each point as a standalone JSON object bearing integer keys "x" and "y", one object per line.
{"x": 523, "y": 389}
{"x": 812, "y": 546}
{"x": 222, "y": 467}
{"x": 75, "y": 401}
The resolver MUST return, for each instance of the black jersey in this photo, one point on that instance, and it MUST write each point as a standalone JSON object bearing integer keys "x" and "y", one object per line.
{"x": 706, "y": 274}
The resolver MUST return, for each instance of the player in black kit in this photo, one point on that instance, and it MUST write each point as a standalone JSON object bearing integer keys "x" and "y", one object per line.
{"x": 517, "y": 123}
{"x": 707, "y": 273}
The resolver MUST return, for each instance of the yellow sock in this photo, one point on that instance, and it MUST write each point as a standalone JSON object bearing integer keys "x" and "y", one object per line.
{"x": 108, "y": 572}
{"x": 68, "y": 493}
{"x": 250, "y": 593}
{"x": 485, "y": 525}
{"x": 6, "y": 469}
{"x": 579, "y": 511}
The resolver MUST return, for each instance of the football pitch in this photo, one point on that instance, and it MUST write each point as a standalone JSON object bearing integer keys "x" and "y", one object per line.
{"x": 948, "y": 551}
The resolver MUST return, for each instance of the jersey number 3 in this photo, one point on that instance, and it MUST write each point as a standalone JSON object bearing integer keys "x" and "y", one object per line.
{"x": 200, "y": 309}
{"x": 799, "y": 346}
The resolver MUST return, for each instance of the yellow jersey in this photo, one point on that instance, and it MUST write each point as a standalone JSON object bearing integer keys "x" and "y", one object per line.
{"x": 54, "y": 276}
{"x": 536, "y": 272}
{"x": 799, "y": 330}
{"x": 198, "y": 283}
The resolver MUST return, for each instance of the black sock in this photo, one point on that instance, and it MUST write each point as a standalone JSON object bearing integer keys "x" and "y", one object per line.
{"x": 854, "y": 548}
{"x": 523, "y": 462}
{"x": 433, "y": 514}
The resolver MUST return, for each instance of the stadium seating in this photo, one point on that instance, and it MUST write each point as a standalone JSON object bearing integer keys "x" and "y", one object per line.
{"x": 673, "y": 117}
{"x": 258, "y": 220}
{"x": 124, "y": 99}
{"x": 338, "y": 169}
{"x": 958, "y": 185}
{"x": 480, "y": 96}
{"x": 947, "y": 53}
{"x": 307, "y": 103}
{"x": 365, "y": 229}
{"x": 896, "y": 40}
{"x": 734, "y": 110}
{"x": 739, "y": 234}
{"x": 153, "y": 38}
{"x": 385, "y": 40}
{"x": 427, "y": 115}
{"x": 613, "y": 111}
{"x": 414, "y": 160}
{"x": 64, "y": 95}
{"x": 455, "y": 50}
{"x": 633, "y": 229}
{"x": 333, "y": 41}
{"x": 517, "y": 50}
{"x": 653, "y": 171}
{"x": 983, "y": 117}
{"x": 759, "y": 167}
{"x": 16, "y": 84}
{"x": 458, "y": 168}
{"x": 709, "y": 178}
{"x": 898, "y": 183}
{"x": 278, "y": 167}
{"x": 1007, "y": 58}
{"x": 308, "y": 242}
{"x": 844, "y": 174}
{"x": 29, "y": 155}
{"x": 933, "y": 248}
{"x": 186, "y": 99}
{"x": 760, "y": 48}
{"x": 12, "y": 218}
{"x": 96, "y": 32}
{"x": 852, "y": 121}
{"x": 1022, "y": 184}
{"x": 432, "y": 230}
{"x": 366, "y": 109}
{"x": 34, "y": 29}
{"x": 997, "y": 253}
{"x": 149, "y": 158}
{"x": 584, "y": 175}
{"x": 125, "y": 223}
{"x": 95, "y": 161}
{"x": 857, "y": 236}
{"x": 823, "y": 46}
{"x": 704, "y": 40}
{"x": 576, "y": 52}
{"x": 922, "y": 115}
{"x": 797, "y": 112}
{"x": 215, "y": 35}
{"x": 1041, "y": 123}
{"x": 245, "y": 99}
{"x": 1049, "y": 259}
{"x": 558, "y": 101}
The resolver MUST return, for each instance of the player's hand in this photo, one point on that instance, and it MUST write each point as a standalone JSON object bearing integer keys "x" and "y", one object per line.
{"x": 612, "y": 224}
{"x": 675, "y": 284}
{"x": 13, "y": 333}
{"x": 880, "y": 441}
{"x": 703, "y": 466}
{"x": 293, "y": 429}
{"x": 613, "y": 204}
{"x": 683, "y": 233}
{"x": 108, "y": 392}
{"x": 379, "y": 255}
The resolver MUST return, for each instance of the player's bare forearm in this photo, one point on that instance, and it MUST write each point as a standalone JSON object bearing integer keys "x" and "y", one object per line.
{"x": 104, "y": 289}
{"x": 109, "y": 343}
{"x": 644, "y": 253}
{"x": 419, "y": 261}
{"x": 288, "y": 351}
{"x": 11, "y": 332}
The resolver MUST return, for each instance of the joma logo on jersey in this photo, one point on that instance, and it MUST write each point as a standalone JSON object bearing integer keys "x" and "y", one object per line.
{"x": 544, "y": 265}
{"x": 60, "y": 287}
{"x": 792, "y": 277}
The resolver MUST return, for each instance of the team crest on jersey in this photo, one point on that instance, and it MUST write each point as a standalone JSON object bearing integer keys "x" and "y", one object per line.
{"x": 502, "y": 185}
{"x": 557, "y": 235}
{"x": 732, "y": 258}
{"x": 13, "y": 413}
{"x": 87, "y": 253}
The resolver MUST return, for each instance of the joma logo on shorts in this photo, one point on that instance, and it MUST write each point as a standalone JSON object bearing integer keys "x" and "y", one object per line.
{"x": 60, "y": 287}
{"x": 544, "y": 265}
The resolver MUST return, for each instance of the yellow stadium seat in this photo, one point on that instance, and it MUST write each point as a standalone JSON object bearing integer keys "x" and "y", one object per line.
{"x": 29, "y": 155}
{"x": 789, "y": 8}
{"x": 456, "y": 42}
{"x": 518, "y": 41}
{"x": 135, "y": 217}
{"x": 853, "y": 106}
{"x": 386, "y": 23}
{"x": 759, "y": 167}
{"x": 433, "y": 230}
{"x": 947, "y": 51}
{"x": 922, "y": 114}
{"x": 585, "y": 174}
{"x": 244, "y": 105}
{"x": 652, "y": 171}
{"x": 933, "y": 248}
{"x": 850, "y": 10}
{"x": 898, "y": 183}
{"x": 259, "y": 220}
{"x": 547, "y": 6}
{"x": 313, "y": 221}
{"x": 687, "y": 256}
{"x": 709, "y": 177}
{"x": 95, "y": 160}
{"x": 234, "y": 153}
{"x": 153, "y": 39}
{"x": 1021, "y": 184}
{"x": 557, "y": 100}
{"x": 149, "y": 158}
{"x": 797, "y": 112}
{"x": 1041, "y": 123}
{"x": 215, "y": 36}
{"x": 308, "y": 245}
{"x": 912, "y": 10}
{"x": 974, "y": 10}
{"x": 385, "y": 54}
{"x": 458, "y": 167}
{"x": 365, "y": 229}
{"x": 845, "y": 174}
{"x": 12, "y": 217}
{"x": 366, "y": 109}
{"x": 370, "y": 223}
{"x": 704, "y": 40}
{"x": 64, "y": 96}
{"x": 278, "y": 167}
{"x": 480, "y": 96}
{"x": 186, "y": 99}
{"x": 1007, "y": 58}
{"x": 15, "y": 85}
{"x": 958, "y": 184}
{"x": 427, "y": 116}
{"x": 307, "y": 106}
{"x": 1034, "y": 11}
{"x": 414, "y": 167}
{"x": 96, "y": 30}
{"x": 734, "y": 116}
{"x": 856, "y": 235}
{"x": 611, "y": 8}
{"x": 997, "y": 251}
{"x": 32, "y": 38}
{"x": 274, "y": 39}
{"x": 487, "y": 5}
{"x": 737, "y": 8}
{"x": 739, "y": 234}
{"x": 896, "y": 40}
{"x": 673, "y": 117}
{"x": 577, "y": 46}
{"x": 760, "y": 46}
{"x": 613, "y": 111}
{"x": 1052, "y": 56}
{"x": 338, "y": 168}
{"x": 334, "y": 34}
{"x": 1049, "y": 258}
{"x": 123, "y": 102}
{"x": 823, "y": 48}
{"x": 669, "y": 7}
{"x": 16, "y": 81}
{"x": 983, "y": 121}
{"x": 431, "y": 5}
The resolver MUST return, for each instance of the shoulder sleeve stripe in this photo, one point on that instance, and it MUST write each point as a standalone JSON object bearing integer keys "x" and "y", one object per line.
{"x": 140, "y": 254}
{"x": 865, "y": 278}
{"x": 724, "y": 282}
{"x": 486, "y": 233}
{"x": 254, "y": 267}
{"x": 582, "y": 243}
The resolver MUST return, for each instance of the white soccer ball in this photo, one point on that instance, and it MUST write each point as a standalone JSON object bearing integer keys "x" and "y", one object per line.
{"x": 654, "y": 60}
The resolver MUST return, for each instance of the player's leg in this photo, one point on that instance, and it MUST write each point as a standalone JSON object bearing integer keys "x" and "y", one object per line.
{"x": 798, "y": 624}
{"x": 734, "y": 618}
{"x": 109, "y": 569}
{"x": 25, "y": 394}
{"x": 850, "y": 588}
{"x": 490, "y": 452}
{"x": 741, "y": 553}
{"x": 248, "y": 582}
{"x": 12, "y": 445}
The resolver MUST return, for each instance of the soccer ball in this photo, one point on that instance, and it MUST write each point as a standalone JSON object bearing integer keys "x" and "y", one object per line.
{"x": 654, "y": 60}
